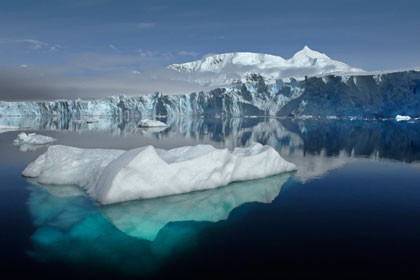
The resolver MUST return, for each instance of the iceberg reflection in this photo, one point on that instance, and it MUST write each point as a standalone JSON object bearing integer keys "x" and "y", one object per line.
{"x": 145, "y": 218}
{"x": 134, "y": 238}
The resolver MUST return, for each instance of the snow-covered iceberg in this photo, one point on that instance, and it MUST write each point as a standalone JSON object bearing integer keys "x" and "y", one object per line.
{"x": 111, "y": 176}
{"x": 33, "y": 139}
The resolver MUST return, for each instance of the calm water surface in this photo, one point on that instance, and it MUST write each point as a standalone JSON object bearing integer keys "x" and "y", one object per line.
{"x": 351, "y": 210}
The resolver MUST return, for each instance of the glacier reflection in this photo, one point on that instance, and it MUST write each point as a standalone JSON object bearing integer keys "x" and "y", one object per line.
{"x": 134, "y": 237}
{"x": 365, "y": 138}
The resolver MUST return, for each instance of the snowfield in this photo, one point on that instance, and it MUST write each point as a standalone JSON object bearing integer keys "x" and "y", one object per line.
{"x": 112, "y": 176}
{"x": 224, "y": 69}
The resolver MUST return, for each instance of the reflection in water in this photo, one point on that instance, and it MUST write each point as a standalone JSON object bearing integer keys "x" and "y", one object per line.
{"x": 135, "y": 237}
{"x": 314, "y": 145}
{"x": 138, "y": 237}
{"x": 367, "y": 138}
{"x": 24, "y": 147}
{"x": 145, "y": 218}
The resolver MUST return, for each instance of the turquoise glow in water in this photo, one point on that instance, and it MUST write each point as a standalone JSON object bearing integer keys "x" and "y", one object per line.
{"x": 133, "y": 237}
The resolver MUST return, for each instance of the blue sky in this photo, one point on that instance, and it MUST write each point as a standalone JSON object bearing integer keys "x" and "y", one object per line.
{"x": 93, "y": 37}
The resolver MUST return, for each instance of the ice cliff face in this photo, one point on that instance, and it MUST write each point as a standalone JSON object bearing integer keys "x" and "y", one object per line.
{"x": 372, "y": 96}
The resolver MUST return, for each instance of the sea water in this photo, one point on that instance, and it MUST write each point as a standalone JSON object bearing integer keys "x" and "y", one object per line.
{"x": 351, "y": 208}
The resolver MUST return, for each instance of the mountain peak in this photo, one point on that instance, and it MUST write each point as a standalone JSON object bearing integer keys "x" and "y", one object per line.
{"x": 308, "y": 52}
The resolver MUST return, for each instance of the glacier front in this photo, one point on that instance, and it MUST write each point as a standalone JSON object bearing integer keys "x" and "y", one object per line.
{"x": 112, "y": 176}
{"x": 367, "y": 96}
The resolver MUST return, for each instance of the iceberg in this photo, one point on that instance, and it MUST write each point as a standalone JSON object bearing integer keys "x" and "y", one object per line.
{"x": 112, "y": 176}
{"x": 33, "y": 139}
{"x": 151, "y": 123}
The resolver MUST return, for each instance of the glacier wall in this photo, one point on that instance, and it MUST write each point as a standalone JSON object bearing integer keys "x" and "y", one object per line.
{"x": 372, "y": 96}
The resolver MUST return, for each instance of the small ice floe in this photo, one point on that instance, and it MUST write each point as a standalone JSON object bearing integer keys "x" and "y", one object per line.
{"x": 33, "y": 139}
{"x": 399, "y": 118}
{"x": 151, "y": 123}
{"x": 112, "y": 176}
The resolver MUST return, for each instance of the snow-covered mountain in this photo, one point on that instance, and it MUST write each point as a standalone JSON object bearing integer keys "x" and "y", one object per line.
{"x": 227, "y": 68}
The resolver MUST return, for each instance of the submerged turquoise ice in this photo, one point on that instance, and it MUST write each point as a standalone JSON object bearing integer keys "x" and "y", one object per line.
{"x": 133, "y": 237}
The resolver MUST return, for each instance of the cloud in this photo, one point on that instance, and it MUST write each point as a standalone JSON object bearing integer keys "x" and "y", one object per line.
{"x": 55, "y": 47}
{"x": 146, "y": 25}
{"x": 48, "y": 83}
{"x": 146, "y": 53}
{"x": 112, "y": 47}
{"x": 32, "y": 43}
{"x": 187, "y": 53}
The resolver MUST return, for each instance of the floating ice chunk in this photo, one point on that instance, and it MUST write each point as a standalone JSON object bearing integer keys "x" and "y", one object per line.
{"x": 151, "y": 123}
{"x": 399, "y": 118}
{"x": 111, "y": 176}
{"x": 33, "y": 139}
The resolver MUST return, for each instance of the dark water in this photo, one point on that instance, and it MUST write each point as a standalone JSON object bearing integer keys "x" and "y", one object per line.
{"x": 351, "y": 210}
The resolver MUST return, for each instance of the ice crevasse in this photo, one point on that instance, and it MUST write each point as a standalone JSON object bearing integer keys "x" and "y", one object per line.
{"x": 112, "y": 176}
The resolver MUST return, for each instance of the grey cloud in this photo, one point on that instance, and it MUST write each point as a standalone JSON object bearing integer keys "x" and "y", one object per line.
{"x": 48, "y": 83}
{"x": 146, "y": 25}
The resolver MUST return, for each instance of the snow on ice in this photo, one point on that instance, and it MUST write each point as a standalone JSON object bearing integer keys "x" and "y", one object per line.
{"x": 112, "y": 176}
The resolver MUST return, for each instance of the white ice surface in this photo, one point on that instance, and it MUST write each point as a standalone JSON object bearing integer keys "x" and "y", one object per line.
{"x": 111, "y": 176}
{"x": 33, "y": 139}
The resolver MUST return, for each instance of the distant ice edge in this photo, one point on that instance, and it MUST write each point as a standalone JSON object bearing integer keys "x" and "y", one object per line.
{"x": 113, "y": 176}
